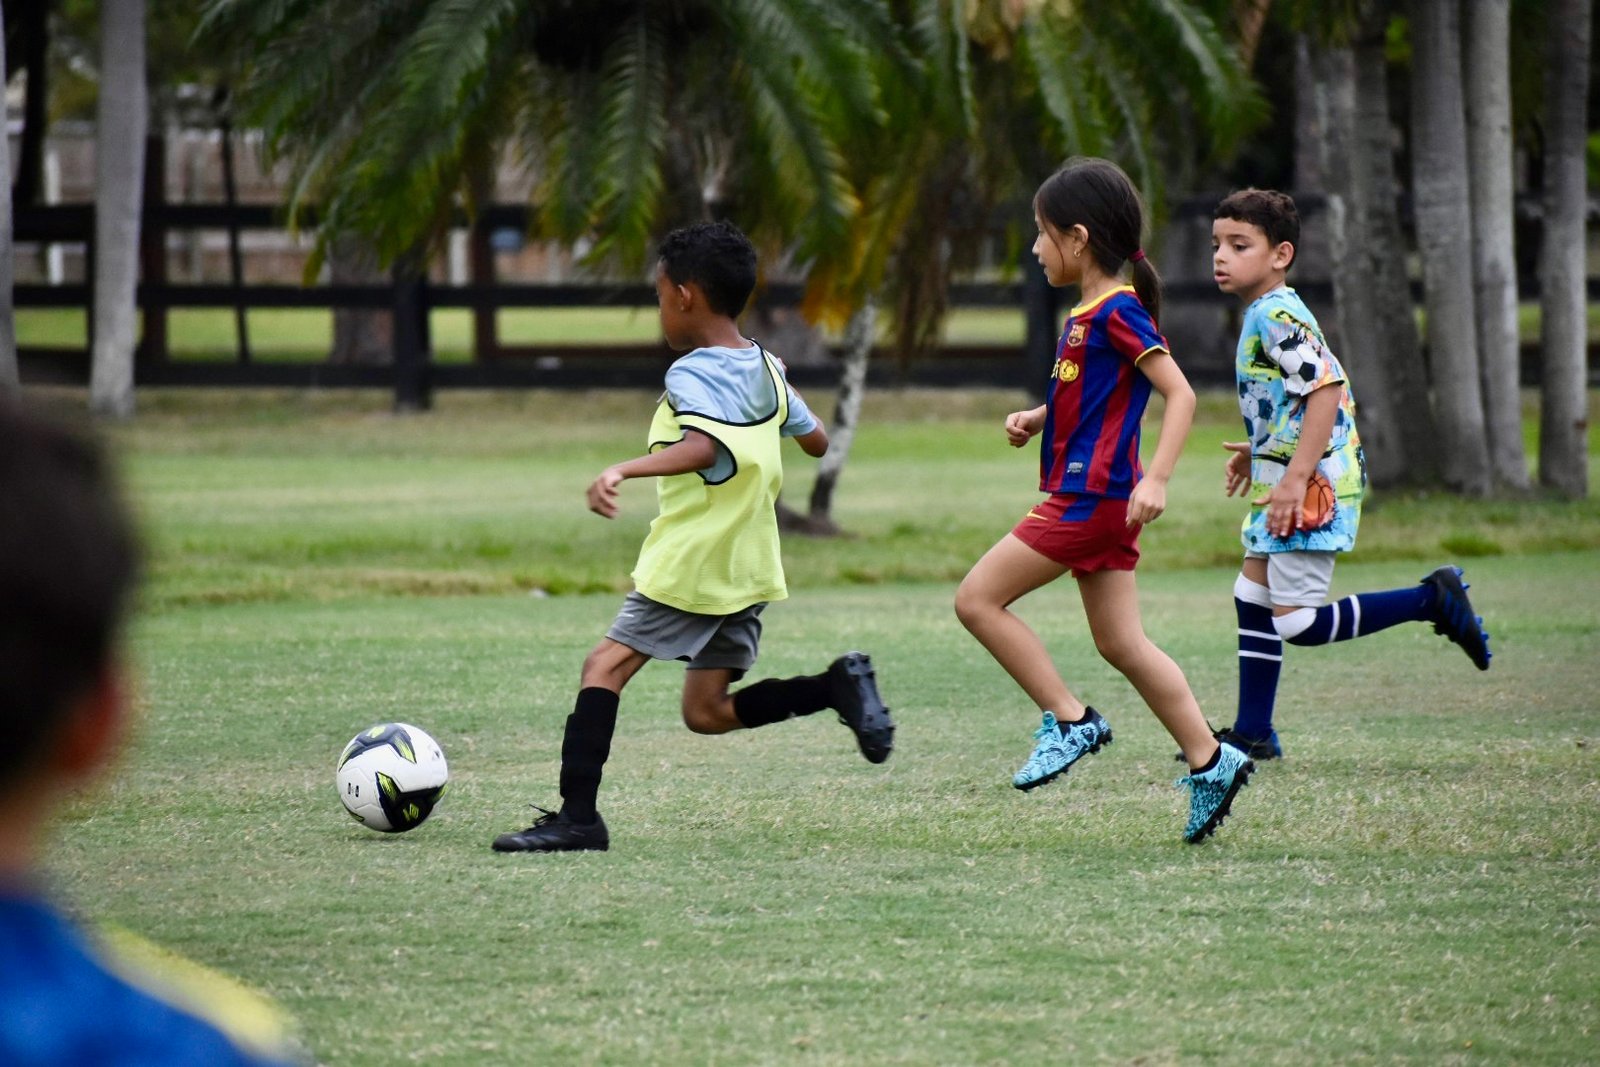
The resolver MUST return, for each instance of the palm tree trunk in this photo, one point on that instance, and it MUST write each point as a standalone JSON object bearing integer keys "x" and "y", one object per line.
{"x": 858, "y": 336}
{"x": 120, "y": 123}
{"x": 1563, "y": 425}
{"x": 1494, "y": 269}
{"x": 1403, "y": 444}
{"x": 1439, "y": 183}
{"x": 1361, "y": 344}
{"x": 361, "y": 336}
{"x": 8, "y": 332}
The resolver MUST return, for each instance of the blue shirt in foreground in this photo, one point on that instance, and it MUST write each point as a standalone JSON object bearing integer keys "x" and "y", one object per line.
{"x": 61, "y": 1005}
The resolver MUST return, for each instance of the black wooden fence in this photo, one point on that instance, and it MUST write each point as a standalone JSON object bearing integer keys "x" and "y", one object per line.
{"x": 410, "y": 297}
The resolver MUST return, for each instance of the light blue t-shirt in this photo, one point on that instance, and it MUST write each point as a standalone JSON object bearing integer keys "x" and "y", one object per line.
{"x": 1281, "y": 360}
{"x": 731, "y": 385}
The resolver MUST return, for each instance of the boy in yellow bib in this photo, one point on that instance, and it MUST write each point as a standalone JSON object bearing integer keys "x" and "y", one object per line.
{"x": 711, "y": 562}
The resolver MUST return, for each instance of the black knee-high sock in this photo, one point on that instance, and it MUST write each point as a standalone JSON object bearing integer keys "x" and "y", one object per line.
{"x": 584, "y": 749}
{"x": 775, "y": 699}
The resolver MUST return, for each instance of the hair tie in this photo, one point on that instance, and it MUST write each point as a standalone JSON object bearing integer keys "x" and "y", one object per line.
{"x": 1138, "y": 254}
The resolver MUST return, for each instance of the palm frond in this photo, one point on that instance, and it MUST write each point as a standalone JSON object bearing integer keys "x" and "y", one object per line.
{"x": 632, "y": 136}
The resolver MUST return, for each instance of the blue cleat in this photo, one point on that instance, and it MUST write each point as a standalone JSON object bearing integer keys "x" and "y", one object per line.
{"x": 1211, "y": 792}
{"x": 1059, "y": 745}
{"x": 1452, "y": 615}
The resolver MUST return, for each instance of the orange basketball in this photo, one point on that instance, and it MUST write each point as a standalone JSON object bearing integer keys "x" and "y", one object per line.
{"x": 1317, "y": 511}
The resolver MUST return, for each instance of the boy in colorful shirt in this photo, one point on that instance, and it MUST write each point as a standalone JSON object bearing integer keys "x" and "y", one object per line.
{"x": 1305, "y": 473}
{"x": 711, "y": 561}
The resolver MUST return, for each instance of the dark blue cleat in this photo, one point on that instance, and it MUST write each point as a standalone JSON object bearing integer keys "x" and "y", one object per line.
{"x": 1452, "y": 615}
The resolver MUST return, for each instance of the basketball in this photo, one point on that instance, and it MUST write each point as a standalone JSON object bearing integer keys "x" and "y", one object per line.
{"x": 1318, "y": 509}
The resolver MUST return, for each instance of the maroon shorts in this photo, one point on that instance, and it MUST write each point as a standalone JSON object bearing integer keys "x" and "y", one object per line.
{"x": 1082, "y": 533}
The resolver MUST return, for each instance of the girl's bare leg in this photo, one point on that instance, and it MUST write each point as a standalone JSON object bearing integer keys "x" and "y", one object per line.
{"x": 1007, "y": 572}
{"x": 1111, "y": 602}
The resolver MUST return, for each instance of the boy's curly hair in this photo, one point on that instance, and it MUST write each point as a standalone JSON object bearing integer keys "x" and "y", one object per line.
{"x": 1270, "y": 211}
{"x": 718, "y": 258}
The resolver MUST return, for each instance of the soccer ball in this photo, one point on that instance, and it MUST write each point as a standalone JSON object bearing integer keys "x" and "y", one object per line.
{"x": 390, "y": 776}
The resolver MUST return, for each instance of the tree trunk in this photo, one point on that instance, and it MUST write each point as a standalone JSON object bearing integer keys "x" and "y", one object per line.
{"x": 858, "y": 337}
{"x": 1494, "y": 266}
{"x": 1563, "y": 409}
{"x": 361, "y": 336}
{"x": 1403, "y": 445}
{"x": 120, "y": 122}
{"x": 1439, "y": 184}
{"x": 1310, "y": 124}
{"x": 1361, "y": 342}
{"x": 8, "y": 332}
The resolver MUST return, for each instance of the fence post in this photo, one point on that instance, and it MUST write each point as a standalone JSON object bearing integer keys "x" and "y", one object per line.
{"x": 480, "y": 273}
{"x": 413, "y": 355}
{"x": 230, "y": 196}
{"x": 153, "y": 252}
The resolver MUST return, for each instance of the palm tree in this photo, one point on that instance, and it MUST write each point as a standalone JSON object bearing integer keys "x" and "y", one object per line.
{"x": 1494, "y": 271}
{"x": 844, "y": 136}
{"x": 119, "y": 180}
{"x": 1563, "y": 444}
{"x": 1374, "y": 317}
{"x": 391, "y": 112}
{"x": 1440, "y": 185}
{"x": 998, "y": 95}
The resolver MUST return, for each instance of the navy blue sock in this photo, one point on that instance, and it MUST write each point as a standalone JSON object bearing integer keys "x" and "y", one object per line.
{"x": 584, "y": 750}
{"x": 1355, "y": 616}
{"x": 1260, "y": 663}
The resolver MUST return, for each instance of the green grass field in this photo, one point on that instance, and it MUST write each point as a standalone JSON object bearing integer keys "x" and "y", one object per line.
{"x": 306, "y": 335}
{"x": 1419, "y": 881}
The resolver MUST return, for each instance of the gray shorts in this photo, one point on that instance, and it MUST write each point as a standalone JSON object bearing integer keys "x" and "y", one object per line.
{"x": 707, "y": 642}
{"x": 1298, "y": 579}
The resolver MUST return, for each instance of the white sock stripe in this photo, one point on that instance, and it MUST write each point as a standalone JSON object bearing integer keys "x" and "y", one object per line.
{"x": 1333, "y": 634}
{"x": 1265, "y": 635}
{"x": 1355, "y": 615}
{"x": 1243, "y": 654}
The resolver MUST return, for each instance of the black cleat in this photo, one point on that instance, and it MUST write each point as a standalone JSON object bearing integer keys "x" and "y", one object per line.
{"x": 1257, "y": 748}
{"x": 855, "y": 697}
{"x": 1452, "y": 615}
{"x": 556, "y": 833}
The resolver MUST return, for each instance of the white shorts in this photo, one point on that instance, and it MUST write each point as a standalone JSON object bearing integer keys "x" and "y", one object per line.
{"x": 1298, "y": 579}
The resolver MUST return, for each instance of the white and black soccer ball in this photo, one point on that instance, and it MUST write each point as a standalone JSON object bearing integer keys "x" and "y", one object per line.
{"x": 390, "y": 776}
{"x": 1301, "y": 362}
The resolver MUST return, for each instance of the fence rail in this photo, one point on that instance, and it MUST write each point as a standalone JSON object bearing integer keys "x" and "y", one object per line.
{"x": 409, "y": 299}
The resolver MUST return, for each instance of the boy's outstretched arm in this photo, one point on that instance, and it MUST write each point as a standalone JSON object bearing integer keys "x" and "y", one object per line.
{"x": 696, "y": 451}
{"x": 1149, "y": 498}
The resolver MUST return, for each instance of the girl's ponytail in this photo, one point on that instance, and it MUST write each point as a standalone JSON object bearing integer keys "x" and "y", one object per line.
{"x": 1147, "y": 283}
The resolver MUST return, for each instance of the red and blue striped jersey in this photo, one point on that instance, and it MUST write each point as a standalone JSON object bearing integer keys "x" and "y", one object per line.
{"x": 1097, "y": 397}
